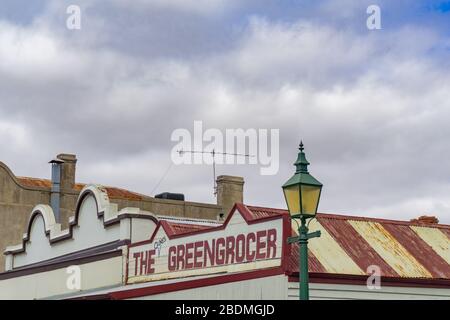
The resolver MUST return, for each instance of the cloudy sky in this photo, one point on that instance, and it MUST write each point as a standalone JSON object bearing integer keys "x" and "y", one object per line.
{"x": 372, "y": 106}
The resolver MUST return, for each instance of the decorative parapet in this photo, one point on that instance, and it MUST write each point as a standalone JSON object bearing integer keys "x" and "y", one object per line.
{"x": 96, "y": 221}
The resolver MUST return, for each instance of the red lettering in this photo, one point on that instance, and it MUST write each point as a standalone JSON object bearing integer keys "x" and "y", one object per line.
{"x": 150, "y": 261}
{"x": 215, "y": 252}
{"x": 172, "y": 258}
{"x": 260, "y": 244}
{"x": 143, "y": 263}
{"x": 271, "y": 243}
{"x": 250, "y": 256}
{"x": 210, "y": 252}
{"x": 229, "y": 250}
{"x": 240, "y": 248}
{"x": 136, "y": 255}
{"x": 220, "y": 253}
{"x": 189, "y": 255}
{"x": 198, "y": 254}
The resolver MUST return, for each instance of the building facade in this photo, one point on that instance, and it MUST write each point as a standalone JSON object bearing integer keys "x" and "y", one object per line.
{"x": 107, "y": 252}
{"x": 19, "y": 195}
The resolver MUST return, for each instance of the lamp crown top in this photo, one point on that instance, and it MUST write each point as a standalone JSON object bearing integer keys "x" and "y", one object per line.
{"x": 301, "y": 163}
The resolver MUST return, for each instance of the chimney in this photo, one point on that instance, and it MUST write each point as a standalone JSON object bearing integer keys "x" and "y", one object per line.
{"x": 230, "y": 190}
{"x": 55, "y": 195}
{"x": 68, "y": 169}
{"x": 425, "y": 220}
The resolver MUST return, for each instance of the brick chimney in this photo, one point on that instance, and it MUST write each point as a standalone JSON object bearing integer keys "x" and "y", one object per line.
{"x": 68, "y": 170}
{"x": 426, "y": 220}
{"x": 230, "y": 189}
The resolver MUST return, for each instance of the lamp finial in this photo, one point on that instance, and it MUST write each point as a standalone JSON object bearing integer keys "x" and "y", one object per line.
{"x": 301, "y": 163}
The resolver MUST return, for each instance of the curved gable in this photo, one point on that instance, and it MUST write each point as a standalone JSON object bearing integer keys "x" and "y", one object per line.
{"x": 96, "y": 221}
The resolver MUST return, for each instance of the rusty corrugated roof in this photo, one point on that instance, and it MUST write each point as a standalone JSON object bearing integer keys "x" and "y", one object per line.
{"x": 34, "y": 182}
{"x": 177, "y": 228}
{"x": 262, "y": 212}
{"x": 113, "y": 192}
{"x": 408, "y": 238}
{"x": 350, "y": 244}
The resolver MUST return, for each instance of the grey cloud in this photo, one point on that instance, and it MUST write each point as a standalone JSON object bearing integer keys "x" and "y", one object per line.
{"x": 372, "y": 108}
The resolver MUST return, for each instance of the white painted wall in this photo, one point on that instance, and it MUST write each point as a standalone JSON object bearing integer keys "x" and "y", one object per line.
{"x": 100, "y": 275}
{"x": 278, "y": 288}
{"x": 319, "y": 291}
{"x": 53, "y": 283}
{"x": 90, "y": 232}
{"x": 141, "y": 229}
{"x": 269, "y": 288}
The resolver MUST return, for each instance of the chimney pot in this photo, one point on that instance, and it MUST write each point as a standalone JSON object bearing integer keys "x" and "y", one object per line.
{"x": 426, "y": 220}
{"x": 230, "y": 190}
{"x": 68, "y": 170}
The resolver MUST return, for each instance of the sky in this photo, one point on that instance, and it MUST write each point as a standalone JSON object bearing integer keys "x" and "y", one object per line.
{"x": 371, "y": 106}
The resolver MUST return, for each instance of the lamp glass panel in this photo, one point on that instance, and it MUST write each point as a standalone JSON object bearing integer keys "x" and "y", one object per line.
{"x": 292, "y": 195}
{"x": 310, "y": 199}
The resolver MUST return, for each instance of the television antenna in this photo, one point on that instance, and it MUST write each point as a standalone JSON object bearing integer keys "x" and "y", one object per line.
{"x": 214, "y": 153}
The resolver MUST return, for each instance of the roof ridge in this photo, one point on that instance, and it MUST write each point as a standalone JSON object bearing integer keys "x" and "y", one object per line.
{"x": 188, "y": 221}
{"x": 326, "y": 215}
{"x": 33, "y": 178}
{"x": 381, "y": 220}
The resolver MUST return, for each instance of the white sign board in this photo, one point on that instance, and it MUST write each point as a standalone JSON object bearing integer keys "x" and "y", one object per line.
{"x": 233, "y": 247}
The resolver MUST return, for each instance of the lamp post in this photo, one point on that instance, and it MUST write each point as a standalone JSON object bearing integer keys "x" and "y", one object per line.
{"x": 302, "y": 194}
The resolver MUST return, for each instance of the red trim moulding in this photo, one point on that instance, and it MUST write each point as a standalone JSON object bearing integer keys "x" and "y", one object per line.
{"x": 244, "y": 212}
{"x": 191, "y": 284}
{"x": 228, "y": 278}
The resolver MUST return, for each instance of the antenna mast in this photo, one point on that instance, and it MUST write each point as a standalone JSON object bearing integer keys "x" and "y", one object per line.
{"x": 213, "y": 153}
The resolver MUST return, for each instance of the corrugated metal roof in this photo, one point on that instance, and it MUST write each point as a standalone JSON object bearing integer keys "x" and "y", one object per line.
{"x": 356, "y": 246}
{"x": 113, "y": 192}
{"x": 262, "y": 212}
{"x": 34, "y": 182}
{"x": 436, "y": 239}
{"x": 421, "y": 250}
{"x": 330, "y": 253}
{"x": 176, "y": 228}
{"x": 350, "y": 244}
{"x": 313, "y": 263}
{"x": 387, "y": 246}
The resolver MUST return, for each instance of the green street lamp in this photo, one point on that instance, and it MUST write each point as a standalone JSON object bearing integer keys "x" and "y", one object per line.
{"x": 302, "y": 194}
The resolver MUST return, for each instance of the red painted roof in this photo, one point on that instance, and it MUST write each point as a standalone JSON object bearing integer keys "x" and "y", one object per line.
{"x": 262, "y": 212}
{"x": 408, "y": 249}
{"x": 34, "y": 182}
{"x": 348, "y": 245}
{"x": 178, "y": 228}
{"x": 113, "y": 192}
{"x": 401, "y": 249}
{"x": 351, "y": 245}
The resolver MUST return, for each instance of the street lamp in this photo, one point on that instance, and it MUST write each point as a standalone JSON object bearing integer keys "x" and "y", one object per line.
{"x": 302, "y": 194}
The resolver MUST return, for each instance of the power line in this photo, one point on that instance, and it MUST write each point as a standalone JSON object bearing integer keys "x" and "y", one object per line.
{"x": 163, "y": 177}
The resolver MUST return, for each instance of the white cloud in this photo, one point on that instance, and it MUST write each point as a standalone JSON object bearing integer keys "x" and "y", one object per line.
{"x": 372, "y": 109}
{"x": 14, "y": 137}
{"x": 29, "y": 51}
